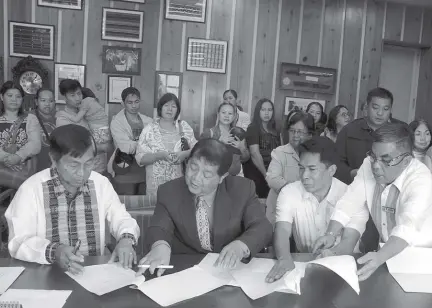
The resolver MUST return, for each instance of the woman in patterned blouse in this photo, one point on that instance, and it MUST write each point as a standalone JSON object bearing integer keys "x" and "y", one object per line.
{"x": 16, "y": 152}
{"x": 160, "y": 147}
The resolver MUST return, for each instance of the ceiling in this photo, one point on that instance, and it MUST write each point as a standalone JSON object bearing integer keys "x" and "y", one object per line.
{"x": 412, "y": 2}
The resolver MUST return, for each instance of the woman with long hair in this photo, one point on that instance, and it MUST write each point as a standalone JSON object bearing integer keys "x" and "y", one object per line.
{"x": 338, "y": 117}
{"x": 421, "y": 136}
{"x": 262, "y": 138}
{"x": 224, "y": 131}
{"x": 242, "y": 119}
{"x": 316, "y": 110}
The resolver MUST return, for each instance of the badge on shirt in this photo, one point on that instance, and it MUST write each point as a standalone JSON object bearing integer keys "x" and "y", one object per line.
{"x": 388, "y": 209}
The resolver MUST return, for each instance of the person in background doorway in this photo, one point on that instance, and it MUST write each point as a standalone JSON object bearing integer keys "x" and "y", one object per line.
{"x": 222, "y": 131}
{"x": 316, "y": 110}
{"x": 421, "y": 134}
{"x": 339, "y": 116}
{"x": 262, "y": 138}
{"x": 162, "y": 145}
{"x": 126, "y": 127}
{"x": 45, "y": 112}
{"x": 243, "y": 119}
{"x": 284, "y": 165}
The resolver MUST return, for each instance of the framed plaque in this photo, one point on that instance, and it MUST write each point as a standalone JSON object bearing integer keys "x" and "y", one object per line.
{"x": 116, "y": 85}
{"x": 207, "y": 55}
{"x": 122, "y": 25}
{"x": 186, "y": 10}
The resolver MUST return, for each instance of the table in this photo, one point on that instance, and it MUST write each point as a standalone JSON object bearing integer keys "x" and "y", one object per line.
{"x": 320, "y": 288}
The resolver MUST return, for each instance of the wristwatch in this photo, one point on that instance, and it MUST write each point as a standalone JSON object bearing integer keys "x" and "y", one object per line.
{"x": 130, "y": 237}
{"x": 331, "y": 233}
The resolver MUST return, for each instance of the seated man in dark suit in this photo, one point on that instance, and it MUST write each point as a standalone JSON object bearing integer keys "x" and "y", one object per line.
{"x": 207, "y": 211}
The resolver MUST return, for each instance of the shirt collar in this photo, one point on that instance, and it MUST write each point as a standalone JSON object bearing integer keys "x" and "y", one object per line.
{"x": 331, "y": 196}
{"x": 398, "y": 182}
{"x": 208, "y": 199}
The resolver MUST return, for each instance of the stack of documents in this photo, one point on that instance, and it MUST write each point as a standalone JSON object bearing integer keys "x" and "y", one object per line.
{"x": 412, "y": 269}
{"x": 204, "y": 278}
{"x": 7, "y": 277}
{"x": 105, "y": 278}
{"x": 36, "y": 298}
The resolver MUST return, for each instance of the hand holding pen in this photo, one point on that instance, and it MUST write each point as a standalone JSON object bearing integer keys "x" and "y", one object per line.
{"x": 68, "y": 258}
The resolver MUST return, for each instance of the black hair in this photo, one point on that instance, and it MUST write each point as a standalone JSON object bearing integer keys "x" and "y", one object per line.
{"x": 256, "y": 120}
{"x": 233, "y": 92}
{"x": 166, "y": 98}
{"x": 42, "y": 89}
{"x": 322, "y": 146}
{"x": 71, "y": 139}
{"x": 9, "y": 85}
{"x": 381, "y": 93}
{"x": 300, "y": 116}
{"x": 415, "y": 124}
{"x": 320, "y": 107}
{"x": 128, "y": 91}
{"x": 331, "y": 122}
{"x": 214, "y": 152}
{"x": 69, "y": 85}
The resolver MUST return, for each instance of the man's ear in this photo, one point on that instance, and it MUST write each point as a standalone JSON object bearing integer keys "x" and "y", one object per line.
{"x": 332, "y": 169}
{"x": 223, "y": 177}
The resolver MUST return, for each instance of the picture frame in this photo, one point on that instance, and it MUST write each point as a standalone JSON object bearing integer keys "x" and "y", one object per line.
{"x": 36, "y": 40}
{"x": 186, "y": 10}
{"x": 121, "y": 60}
{"x": 122, "y": 25}
{"x": 67, "y": 71}
{"x": 116, "y": 85}
{"x": 61, "y": 4}
{"x": 207, "y": 55}
{"x": 167, "y": 82}
{"x": 307, "y": 78}
{"x": 301, "y": 103}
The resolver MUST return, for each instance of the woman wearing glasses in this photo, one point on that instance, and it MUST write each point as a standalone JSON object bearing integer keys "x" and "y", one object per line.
{"x": 283, "y": 168}
{"x": 339, "y": 116}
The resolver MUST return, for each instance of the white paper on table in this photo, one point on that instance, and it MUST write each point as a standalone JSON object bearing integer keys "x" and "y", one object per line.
{"x": 105, "y": 278}
{"x": 192, "y": 282}
{"x": 36, "y": 298}
{"x": 412, "y": 269}
{"x": 344, "y": 266}
{"x": 8, "y": 275}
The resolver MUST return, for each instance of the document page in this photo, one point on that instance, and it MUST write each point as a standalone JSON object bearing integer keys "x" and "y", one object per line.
{"x": 36, "y": 298}
{"x": 7, "y": 277}
{"x": 105, "y": 278}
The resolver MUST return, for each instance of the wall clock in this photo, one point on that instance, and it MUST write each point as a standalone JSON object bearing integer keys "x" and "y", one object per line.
{"x": 30, "y": 74}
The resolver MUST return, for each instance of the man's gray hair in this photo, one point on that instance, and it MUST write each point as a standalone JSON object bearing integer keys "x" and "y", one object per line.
{"x": 398, "y": 133}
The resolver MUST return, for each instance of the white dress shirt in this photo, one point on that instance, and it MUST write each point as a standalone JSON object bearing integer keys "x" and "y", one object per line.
{"x": 27, "y": 217}
{"x": 413, "y": 207}
{"x": 309, "y": 217}
{"x": 243, "y": 120}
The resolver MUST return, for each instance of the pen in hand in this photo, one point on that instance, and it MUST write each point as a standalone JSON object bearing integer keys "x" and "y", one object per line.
{"x": 76, "y": 247}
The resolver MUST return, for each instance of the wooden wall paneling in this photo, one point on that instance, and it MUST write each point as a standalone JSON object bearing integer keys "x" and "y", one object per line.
{"x": 216, "y": 83}
{"x": 333, "y": 24}
{"x": 372, "y": 51}
{"x": 424, "y": 91}
{"x": 427, "y": 27}
{"x": 265, "y": 47}
{"x": 72, "y": 35}
{"x": 394, "y": 18}
{"x": 192, "y": 84}
{"x": 311, "y": 32}
{"x": 242, "y": 53}
{"x": 146, "y": 82}
{"x": 287, "y": 51}
{"x": 95, "y": 80}
{"x": 18, "y": 10}
{"x": 2, "y": 45}
{"x": 351, "y": 54}
{"x": 49, "y": 16}
{"x": 413, "y": 19}
{"x": 171, "y": 45}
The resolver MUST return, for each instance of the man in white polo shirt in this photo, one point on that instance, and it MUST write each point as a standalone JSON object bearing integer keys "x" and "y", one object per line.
{"x": 304, "y": 208}
{"x": 397, "y": 191}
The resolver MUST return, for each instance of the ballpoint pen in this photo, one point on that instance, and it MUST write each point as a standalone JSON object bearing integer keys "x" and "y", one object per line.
{"x": 76, "y": 247}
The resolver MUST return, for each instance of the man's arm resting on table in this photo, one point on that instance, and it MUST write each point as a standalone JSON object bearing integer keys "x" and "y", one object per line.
{"x": 281, "y": 238}
{"x": 391, "y": 248}
{"x": 348, "y": 242}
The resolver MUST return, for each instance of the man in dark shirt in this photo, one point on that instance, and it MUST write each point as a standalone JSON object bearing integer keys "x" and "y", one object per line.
{"x": 355, "y": 139}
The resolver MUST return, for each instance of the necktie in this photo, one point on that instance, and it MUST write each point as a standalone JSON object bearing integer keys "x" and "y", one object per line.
{"x": 203, "y": 225}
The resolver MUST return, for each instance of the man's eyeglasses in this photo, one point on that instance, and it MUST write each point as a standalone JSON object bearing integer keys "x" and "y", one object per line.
{"x": 297, "y": 132}
{"x": 388, "y": 163}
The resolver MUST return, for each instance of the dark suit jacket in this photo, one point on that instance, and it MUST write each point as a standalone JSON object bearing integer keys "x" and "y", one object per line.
{"x": 238, "y": 214}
